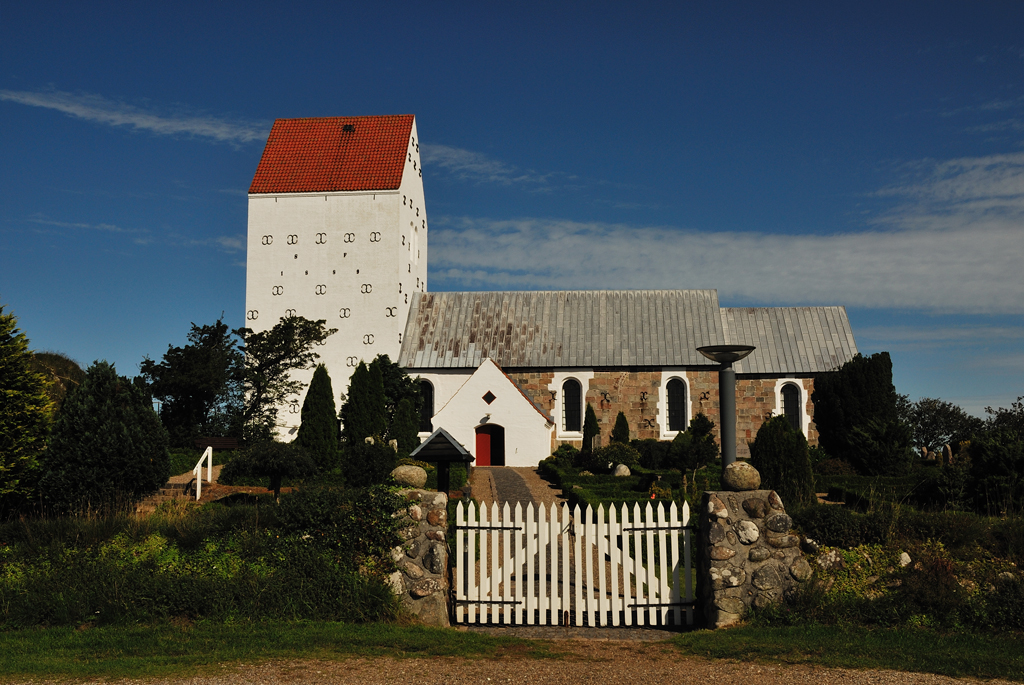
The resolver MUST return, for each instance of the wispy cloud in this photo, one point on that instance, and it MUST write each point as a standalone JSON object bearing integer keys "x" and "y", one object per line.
{"x": 951, "y": 243}
{"x": 101, "y": 110}
{"x": 143, "y": 236}
{"x": 476, "y": 166}
{"x": 952, "y": 271}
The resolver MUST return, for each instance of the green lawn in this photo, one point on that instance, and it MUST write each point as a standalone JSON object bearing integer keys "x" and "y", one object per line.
{"x": 165, "y": 650}
{"x": 906, "y": 649}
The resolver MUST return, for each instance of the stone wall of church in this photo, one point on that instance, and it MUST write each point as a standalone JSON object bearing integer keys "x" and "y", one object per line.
{"x": 636, "y": 394}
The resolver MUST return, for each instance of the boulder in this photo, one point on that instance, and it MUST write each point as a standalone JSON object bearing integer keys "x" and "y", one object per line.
{"x": 740, "y": 477}
{"x": 621, "y": 471}
{"x": 410, "y": 476}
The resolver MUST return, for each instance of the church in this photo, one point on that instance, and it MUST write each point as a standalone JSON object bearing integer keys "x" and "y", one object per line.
{"x": 338, "y": 231}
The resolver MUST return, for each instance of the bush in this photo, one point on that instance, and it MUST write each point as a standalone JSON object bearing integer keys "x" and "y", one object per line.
{"x": 620, "y": 433}
{"x": 108, "y": 447}
{"x": 318, "y": 432}
{"x": 270, "y": 459}
{"x": 565, "y": 454}
{"x": 695, "y": 447}
{"x": 779, "y": 453}
{"x": 591, "y": 431}
{"x": 654, "y": 454}
{"x": 617, "y": 453}
{"x": 882, "y": 448}
{"x": 127, "y": 570}
{"x": 368, "y": 463}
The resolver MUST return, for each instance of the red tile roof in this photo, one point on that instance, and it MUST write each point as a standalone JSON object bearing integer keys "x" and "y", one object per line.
{"x": 334, "y": 154}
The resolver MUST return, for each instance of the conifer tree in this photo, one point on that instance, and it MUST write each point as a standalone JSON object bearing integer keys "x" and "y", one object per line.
{"x": 318, "y": 433}
{"x": 620, "y": 433}
{"x": 590, "y": 430}
{"x": 108, "y": 446}
{"x": 363, "y": 414}
{"x": 405, "y": 427}
{"x": 858, "y": 394}
{"x": 779, "y": 454}
{"x": 25, "y": 411}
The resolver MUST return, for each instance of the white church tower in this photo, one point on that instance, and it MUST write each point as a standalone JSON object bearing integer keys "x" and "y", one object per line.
{"x": 337, "y": 231}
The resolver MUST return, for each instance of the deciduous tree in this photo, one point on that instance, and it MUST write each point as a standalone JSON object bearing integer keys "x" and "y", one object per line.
{"x": 199, "y": 385}
{"x": 270, "y": 357}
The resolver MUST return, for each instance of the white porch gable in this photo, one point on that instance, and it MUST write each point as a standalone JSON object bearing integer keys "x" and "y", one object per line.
{"x": 489, "y": 401}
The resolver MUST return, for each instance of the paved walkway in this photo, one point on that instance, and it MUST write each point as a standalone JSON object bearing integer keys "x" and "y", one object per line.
{"x": 512, "y": 484}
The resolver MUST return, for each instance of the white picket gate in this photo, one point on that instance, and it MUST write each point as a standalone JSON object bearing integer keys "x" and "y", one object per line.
{"x": 540, "y": 568}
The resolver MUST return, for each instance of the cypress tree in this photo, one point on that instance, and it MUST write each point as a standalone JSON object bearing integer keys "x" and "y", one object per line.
{"x": 363, "y": 414}
{"x": 25, "y": 412}
{"x": 590, "y": 430}
{"x": 108, "y": 447}
{"x": 859, "y": 393}
{"x": 779, "y": 454}
{"x": 405, "y": 427}
{"x": 620, "y": 433}
{"x": 318, "y": 433}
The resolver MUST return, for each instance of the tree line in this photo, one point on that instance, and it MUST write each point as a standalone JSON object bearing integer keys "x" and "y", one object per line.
{"x": 72, "y": 438}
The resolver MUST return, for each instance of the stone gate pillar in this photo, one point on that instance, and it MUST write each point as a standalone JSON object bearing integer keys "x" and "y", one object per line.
{"x": 751, "y": 558}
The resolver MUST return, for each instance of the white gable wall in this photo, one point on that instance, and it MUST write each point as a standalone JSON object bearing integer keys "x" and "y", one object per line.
{"x": 527, "y": 432}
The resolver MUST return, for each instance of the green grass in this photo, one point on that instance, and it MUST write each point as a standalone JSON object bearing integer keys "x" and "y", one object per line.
{"x": 165, "y": 649}
{"x": 957, "y": 654}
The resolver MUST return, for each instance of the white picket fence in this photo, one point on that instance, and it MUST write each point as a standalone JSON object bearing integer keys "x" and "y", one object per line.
{"x": 555, "y": 567}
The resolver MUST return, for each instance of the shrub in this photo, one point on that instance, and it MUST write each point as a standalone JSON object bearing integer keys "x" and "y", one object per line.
{"x": 269, "y": 459}
{"x": 318, "y": 432}
{"x": 654, "y": 454}
{"x": 620, "y": 433}
{"x": 779, "y": 453}
{"x": 695, "y": 447}
{"x": 591, "y": 431}
{"x": 368, "y": 463}
{"x": 108, "y": 446}
{"x": 565, "y": 454}
{"x": 882, "y": 448}
{"x": 617, "y": 453}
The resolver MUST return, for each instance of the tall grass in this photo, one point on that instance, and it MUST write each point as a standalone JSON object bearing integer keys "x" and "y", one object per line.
{"x": 217, "y": 562}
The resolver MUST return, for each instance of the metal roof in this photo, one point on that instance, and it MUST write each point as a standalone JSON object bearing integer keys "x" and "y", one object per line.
{"x": 790, "y": 339}
{"x": 561, "y": 328}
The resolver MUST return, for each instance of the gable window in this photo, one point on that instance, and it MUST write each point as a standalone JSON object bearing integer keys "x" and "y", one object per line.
{"x": 676, "y": 391}
{"x": 791, "y": 406}
{"x": 427, "y": 410}
{"x": 572, "y": 406}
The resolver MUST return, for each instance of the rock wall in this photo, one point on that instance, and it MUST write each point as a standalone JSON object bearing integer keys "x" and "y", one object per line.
{"x": 421, "y": 581}
{"x": 751, "y": 556}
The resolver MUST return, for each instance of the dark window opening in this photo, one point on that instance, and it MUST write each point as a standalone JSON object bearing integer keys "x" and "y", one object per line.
{"x": 791, "y": 405}
{"x": 572, "y": 409}
{"x": 427, "y": 411}
{"x": 676, "y": 391}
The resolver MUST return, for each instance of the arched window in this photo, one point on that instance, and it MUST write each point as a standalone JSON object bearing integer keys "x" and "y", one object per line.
{"x": 791, "y": 406}
{"x": 427, "y": 411}
{"x": 572, "y": 406}
{"x": 676, "y": 392}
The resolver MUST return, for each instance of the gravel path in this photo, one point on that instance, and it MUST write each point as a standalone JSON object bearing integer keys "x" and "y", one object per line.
{"x": 581, "y": 662}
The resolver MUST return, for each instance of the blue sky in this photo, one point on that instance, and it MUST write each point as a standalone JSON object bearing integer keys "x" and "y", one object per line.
{"x": 863, "y": 154}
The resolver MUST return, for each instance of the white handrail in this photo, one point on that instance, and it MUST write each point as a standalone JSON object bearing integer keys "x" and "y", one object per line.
{"x": 198, "y": 471}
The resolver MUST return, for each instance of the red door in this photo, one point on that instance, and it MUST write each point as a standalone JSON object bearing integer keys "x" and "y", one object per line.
{"x": 483, "y": 447}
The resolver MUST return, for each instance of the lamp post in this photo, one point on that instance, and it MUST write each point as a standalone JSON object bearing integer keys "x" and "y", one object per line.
{"x": 726, "y": 355}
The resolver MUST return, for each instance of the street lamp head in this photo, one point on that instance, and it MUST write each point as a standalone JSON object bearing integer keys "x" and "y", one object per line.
{"x": 726, "y": 354}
